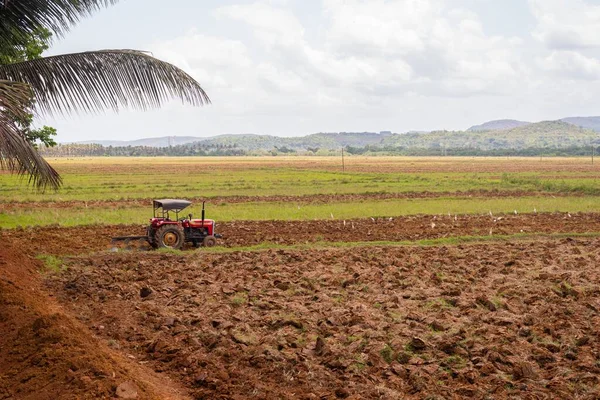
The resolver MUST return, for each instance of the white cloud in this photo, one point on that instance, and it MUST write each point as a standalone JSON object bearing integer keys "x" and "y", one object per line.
{"x": 295, "y": 67}
{"x": 566, "y": 24}
{"x": 274, "y": 25}
{"x": 571, "y": 65}
{"x": 216, "y": 62}
{"x": 376, "y": 45}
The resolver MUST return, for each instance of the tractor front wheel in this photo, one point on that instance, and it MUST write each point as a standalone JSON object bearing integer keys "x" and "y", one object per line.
{"x": 169, "y": 236}
{"x": 209, "y": 241}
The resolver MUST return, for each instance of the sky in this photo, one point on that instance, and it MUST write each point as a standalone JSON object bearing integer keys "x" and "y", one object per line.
{"x": 296, "y": 67}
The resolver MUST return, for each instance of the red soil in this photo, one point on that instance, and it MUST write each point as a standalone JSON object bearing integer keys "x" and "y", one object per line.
{"x": 88, "y": 239}
{"x": 47, "y": 354}
{"x": 504, "y": 320}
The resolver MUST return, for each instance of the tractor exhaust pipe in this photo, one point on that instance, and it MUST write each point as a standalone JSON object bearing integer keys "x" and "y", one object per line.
{"x": 203, "y": 213}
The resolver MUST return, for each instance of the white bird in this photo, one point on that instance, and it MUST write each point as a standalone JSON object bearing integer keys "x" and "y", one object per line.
{"x": 534, "y": 210}
{"x": 516, "y": 212}
{"x": 569, "y": 214}
{"x": 491, "y": 215}
{"x": 331, "y": 215}
{"x": 391, "y": 219}
{"x": 353, "y": 225}
{"x": 432, "y": 225}
{"x": 455, "y": 218}
{"x": 372, "y": 219}
{"x": 344, "y": 222}
{"x": 490, "y": 232}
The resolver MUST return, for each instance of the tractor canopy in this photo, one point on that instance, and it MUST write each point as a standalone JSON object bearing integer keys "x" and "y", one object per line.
{"x": 171, "y": 204}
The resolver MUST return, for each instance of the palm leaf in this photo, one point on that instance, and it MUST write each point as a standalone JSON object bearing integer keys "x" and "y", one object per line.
{"x": 16, "y": 153}
{"x": 14, "y": 98}
{"x": 21, "y": 18}
{"x": 106, "y": 79}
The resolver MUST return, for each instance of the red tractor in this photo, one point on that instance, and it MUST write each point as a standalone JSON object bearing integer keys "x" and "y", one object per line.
{"x": 166, "y": 232}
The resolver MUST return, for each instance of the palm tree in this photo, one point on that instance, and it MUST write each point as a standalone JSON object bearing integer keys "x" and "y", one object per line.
{"x": 89, "y": 81}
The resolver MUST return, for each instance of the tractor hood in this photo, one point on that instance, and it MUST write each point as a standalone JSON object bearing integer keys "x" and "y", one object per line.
{"x": 172, "y": 204}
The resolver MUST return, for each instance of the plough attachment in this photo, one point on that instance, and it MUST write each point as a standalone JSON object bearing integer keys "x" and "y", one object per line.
{"x": 129, "y": 243}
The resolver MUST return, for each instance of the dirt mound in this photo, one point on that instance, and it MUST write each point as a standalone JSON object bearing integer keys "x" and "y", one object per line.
{"x": 89, "y": 239}
{"x": 46, "y": 354}
{"x": 504, "y": 320}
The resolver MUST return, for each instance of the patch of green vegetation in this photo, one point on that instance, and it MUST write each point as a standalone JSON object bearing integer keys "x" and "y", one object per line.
{"x": 353, "y": 338}
{"x": 396, "y": 316}
{"x": 51, "y": 263}
{"x": 498, "y": 302}
{"x": 456, "y": 362}
{"x": 387, "y": 353}
{"x": 167, "y": 250}
{"x": 441, "y": 304}
{"x": 403, "y": 357}
{"x": 239, "y": 299}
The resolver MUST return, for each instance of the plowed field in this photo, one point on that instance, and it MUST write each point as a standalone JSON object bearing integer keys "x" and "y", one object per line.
{"x": 90, "y": 239}
{"x": 518, "y": 320}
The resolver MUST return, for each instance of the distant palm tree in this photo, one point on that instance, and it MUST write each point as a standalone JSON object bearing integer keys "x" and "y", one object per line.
{"x": 90, "y": 81}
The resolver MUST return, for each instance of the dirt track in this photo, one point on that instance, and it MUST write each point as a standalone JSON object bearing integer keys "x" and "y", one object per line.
{"x": 510, "y": 320}
{"x": 85, "y": 240}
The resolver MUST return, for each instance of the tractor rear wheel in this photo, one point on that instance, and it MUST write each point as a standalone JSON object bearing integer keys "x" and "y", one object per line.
{"x": 209, "y": 241}
{"x": 169, "y": 236}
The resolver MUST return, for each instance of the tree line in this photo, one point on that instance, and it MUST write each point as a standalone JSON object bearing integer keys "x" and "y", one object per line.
{"x": 230, "y": 150}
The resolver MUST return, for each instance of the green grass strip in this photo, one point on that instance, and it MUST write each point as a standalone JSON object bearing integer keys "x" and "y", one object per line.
{"x": 452, "y": 241}
{"x": 291, "y": 211}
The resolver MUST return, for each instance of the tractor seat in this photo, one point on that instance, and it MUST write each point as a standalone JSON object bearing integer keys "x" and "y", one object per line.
{"x": 197, "y": 223}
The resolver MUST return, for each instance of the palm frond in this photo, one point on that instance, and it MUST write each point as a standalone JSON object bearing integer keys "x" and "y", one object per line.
{"x": 16, "y": 153}
{"x": 21, "y": 18}
{"x": 106, "y": 79}
{"x": 15, "y": 97}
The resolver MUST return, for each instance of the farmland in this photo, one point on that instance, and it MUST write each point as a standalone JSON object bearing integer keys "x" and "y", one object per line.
{"x": 393, "y": 278}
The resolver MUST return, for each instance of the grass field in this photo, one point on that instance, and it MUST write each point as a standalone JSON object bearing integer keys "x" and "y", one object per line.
{"x": 296, "y": 211}
{"x": 458, "y": 185}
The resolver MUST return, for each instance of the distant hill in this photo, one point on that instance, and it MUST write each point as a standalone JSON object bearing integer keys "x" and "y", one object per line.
{"x": 314, "y": 141}
{"x": 493, "y": 135}
{"x": 549, "y": 134}
{"x": 498, "y": 125}
{"x": 164, "y": 141}
{"x": 592, "y": 123}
